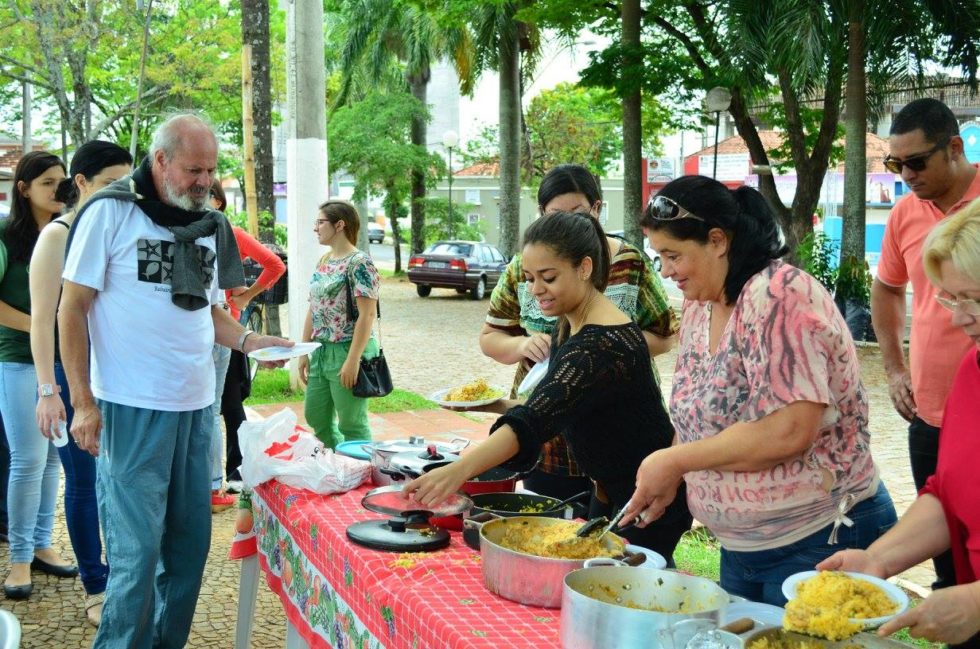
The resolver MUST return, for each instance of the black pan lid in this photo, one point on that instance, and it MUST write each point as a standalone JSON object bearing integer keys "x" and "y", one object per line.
{"x": 409, "y": 533}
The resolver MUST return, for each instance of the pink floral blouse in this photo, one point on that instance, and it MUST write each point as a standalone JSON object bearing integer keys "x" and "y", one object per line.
{"x": 328, "y": 294}
{"x": 785, "y": 342}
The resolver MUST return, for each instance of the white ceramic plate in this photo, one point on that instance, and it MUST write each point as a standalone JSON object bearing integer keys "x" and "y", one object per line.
{"x": 283, "y": 353}
{"x": 895, "y": 593}
{"x": 439, "y": 397}
{"x": 533, "y": 377}
{"x": 654, "y": 559}
{"x": 761, "y": 613}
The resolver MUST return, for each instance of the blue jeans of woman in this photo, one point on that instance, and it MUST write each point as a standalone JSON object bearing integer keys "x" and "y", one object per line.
{"x": 220, "y": 355}
{"x": 33, "y": 486}
{"x": 81, "y": 505}
{"x": 759, "y": 575}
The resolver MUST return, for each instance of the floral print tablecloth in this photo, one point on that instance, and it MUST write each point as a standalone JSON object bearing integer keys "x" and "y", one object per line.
{"x": 344, "y": 596}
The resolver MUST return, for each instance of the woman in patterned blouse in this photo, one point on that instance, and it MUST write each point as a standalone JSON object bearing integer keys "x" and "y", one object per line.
{"x": 330, "y": 372}
{"x": 768, "y": 405}
{"x": 518, "y": 332}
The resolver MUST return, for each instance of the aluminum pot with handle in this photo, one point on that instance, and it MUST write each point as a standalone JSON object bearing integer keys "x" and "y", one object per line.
{"x": 526, "y": 578}
{"x": 623, "y": 607}
{"x": 383, "y": 452}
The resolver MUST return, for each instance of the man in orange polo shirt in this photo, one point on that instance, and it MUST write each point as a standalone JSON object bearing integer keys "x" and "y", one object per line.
{"x": 926, "y": 149}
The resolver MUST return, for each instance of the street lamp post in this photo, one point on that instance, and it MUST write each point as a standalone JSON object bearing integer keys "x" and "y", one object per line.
{"x": 717, "y": 100}
{"x": 449, "y": 140}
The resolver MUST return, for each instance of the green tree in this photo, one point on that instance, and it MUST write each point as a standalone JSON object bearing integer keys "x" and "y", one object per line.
{"x": 381, "y": 34}
{"x": 85, "y": 62}
{"x": 371, "y": 139}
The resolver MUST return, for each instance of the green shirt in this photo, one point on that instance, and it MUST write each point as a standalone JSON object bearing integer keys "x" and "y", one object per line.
{"x": 15, "y": 291}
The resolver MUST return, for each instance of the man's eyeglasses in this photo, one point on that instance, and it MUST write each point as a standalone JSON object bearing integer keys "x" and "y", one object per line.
{"x": 915, "y": 162}
{"x": 969, "y": 307}
{"x": 666, "y": 209}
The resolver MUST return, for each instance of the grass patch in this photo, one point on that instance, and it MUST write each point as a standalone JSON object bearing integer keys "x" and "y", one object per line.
{"x": 390, "y": 274}
{"x": 699, "y": 553}
{"x": 272, "y": 386}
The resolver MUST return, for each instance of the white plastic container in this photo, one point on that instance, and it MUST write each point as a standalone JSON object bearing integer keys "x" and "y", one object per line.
{"x": 59, "y": 434}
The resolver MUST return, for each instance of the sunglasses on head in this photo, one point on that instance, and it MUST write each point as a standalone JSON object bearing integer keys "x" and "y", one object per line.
{"x": 915, "y": 162}
{"x": 666, "y": 209}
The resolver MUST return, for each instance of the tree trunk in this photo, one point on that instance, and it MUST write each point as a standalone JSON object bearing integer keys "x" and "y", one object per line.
{"x": 855, "y": 129}
{"x": 632, "y": 127}
{"x": 255, "y": 32}
{"x": 418, "y": 85}
{"x": 510, "y": 138}
{"x": 391, "y": 209}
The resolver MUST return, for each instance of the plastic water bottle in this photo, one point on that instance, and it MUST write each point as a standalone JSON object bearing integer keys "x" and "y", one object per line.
{"x": 59, "y": 433}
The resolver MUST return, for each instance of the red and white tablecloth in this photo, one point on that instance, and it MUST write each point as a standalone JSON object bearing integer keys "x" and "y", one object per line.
{"x": 341, "y": 595}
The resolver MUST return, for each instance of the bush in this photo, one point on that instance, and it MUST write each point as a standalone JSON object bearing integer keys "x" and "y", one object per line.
{"x": 817, "y": 254}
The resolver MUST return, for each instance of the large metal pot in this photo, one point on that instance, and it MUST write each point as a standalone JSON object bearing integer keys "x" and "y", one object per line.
{"x": 611, "y": 606}
{"x": 383, "y": 452}
{"x": 522, "y": 577}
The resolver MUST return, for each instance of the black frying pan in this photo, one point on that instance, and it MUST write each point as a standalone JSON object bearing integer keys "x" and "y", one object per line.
{"x": 518, "y": 504}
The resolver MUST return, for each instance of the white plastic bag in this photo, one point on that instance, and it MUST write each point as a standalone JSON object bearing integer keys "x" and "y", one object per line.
{"x": 277, "y": 448}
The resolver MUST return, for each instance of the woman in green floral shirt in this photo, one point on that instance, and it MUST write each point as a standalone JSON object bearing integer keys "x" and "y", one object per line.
{"x": 516, "y": 331}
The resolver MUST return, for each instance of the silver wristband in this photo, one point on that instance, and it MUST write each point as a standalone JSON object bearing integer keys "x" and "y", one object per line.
{"x": 241, "y": 339}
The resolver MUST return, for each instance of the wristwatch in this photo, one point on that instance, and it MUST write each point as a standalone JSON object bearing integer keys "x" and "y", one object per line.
{"x": 45, "y": 390}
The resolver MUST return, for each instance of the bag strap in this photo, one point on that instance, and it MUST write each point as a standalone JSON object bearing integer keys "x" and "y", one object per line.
{"x": 352, "y": 313}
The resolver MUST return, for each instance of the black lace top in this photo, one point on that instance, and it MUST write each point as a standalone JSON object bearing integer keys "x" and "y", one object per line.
{"x": 600, "y": 393}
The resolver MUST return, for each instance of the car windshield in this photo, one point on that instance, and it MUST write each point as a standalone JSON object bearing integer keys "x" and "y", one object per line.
{"x": 444, "y": 248}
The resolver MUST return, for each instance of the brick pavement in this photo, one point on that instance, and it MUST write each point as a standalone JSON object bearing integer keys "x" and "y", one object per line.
{"x": 431, "y": 344}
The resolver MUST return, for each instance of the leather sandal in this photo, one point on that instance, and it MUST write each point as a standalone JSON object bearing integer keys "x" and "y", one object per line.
{"x": 93, "y": 608}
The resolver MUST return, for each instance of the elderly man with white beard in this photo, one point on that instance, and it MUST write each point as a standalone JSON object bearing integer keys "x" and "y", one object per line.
{"x": 146, "y": 261}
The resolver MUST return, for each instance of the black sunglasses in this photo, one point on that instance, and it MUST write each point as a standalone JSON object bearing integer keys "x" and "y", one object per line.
{"x": 916, "y": 162}
{"x": 666, "y": 209}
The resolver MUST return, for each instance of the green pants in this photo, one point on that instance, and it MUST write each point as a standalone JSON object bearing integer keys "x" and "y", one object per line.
{"x": 333, "y": 411}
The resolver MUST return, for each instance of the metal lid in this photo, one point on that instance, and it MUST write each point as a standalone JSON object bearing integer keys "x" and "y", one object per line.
{"x": 409, "y": 533}
{"x": 390, "y": 500}
{"x": 419, "y": 443}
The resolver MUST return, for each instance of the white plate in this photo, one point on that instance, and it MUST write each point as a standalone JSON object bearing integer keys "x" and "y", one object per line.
{"x": 762, "y": 613}
{"x": 283, "y": 353}
{"x": 894, "y": 593}
{"x": 438, "y": 398}
{"x": 655, "y": 560}
{"x": 533, "y": 377}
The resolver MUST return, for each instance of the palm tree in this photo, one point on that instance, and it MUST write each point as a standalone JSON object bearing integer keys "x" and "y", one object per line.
{"x": 381, "y": 33}
{"x": 511, "y": 48}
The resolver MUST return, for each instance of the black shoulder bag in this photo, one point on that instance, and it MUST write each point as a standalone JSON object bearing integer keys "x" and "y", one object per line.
{"x": 373, "y": 378}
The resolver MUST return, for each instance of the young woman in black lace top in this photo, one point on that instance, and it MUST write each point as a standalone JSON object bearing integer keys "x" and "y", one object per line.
{"x": 599, "y": 391}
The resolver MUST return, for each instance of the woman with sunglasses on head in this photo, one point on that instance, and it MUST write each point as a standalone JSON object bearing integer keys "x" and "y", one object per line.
{"x": 33, "y": 483}
{"x": 342, "y": 322}
{"x": 767, "y": 401}
{"x": 95, "y": 165}
{"x": 518, "y": 332}
{"x": 599, "y": 393}
{"x": 945, "y": 516}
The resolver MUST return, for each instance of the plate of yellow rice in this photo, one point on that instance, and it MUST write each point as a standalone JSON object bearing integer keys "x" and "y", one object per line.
{"x": 835, "y": 605}
{"x": 473, "y": 394}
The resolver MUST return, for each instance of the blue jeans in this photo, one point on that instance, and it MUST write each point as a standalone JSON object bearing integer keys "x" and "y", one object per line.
{"x": 153, "y": 485}
{"x": 4, "y": 476}
{"x": 221, "y": 355}
{"x": 34, "y": 473}
{"x": 81, "y": 506}
{"x": 759, "y": 575}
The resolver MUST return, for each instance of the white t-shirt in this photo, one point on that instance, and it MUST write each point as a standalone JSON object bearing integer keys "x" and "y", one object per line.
{"x": 146, "y": 352}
